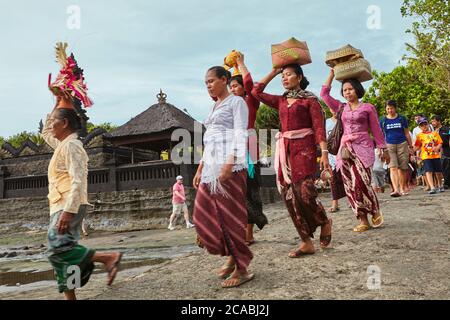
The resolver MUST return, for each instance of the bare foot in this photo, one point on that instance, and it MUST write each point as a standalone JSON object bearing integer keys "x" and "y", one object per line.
{"x": 113, "y": 266}
{"x": 304, "y": 249}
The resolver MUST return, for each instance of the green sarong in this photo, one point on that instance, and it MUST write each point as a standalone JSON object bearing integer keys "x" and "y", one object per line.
{"x": 71, "y": 262}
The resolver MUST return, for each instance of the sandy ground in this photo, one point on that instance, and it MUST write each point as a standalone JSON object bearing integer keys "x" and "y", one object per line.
{"x": 410, "y": 251}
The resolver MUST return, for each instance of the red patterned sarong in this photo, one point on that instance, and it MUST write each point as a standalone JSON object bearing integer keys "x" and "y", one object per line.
{"x": 306, "y": 211}
{"x": 221, "y": 221}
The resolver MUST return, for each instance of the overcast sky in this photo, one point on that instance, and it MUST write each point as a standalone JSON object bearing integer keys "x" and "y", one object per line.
{"x": 131, "y": 49}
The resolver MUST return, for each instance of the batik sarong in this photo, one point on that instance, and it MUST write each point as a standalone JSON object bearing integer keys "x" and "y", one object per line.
{"x": 306, "y": 211}
{"x": 64, "y": 252}
{"x": 358, "y": 187}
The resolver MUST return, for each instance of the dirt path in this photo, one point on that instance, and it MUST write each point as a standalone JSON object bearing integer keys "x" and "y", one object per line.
{"x": 411, "y": 251}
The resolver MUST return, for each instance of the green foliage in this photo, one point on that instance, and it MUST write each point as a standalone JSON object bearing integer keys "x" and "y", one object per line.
{"x": 431, "y": 31}
{"x": 325, "y": 109}
{"x": 18, "y": 139}
{"x": 422, "y": 84}
{"x": 412, "y": 94}
{"x": 37, "y": 139}
{"x": 267, "y": 118}
{"x": 106, "y": 125}
{"x": 433, "y": 15}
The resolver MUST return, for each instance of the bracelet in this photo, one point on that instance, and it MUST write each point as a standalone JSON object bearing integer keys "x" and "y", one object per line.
{"x": 323, "y": 151}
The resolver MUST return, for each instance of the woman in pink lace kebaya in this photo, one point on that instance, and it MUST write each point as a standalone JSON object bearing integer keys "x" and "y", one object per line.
{"x": 359, "y": 156}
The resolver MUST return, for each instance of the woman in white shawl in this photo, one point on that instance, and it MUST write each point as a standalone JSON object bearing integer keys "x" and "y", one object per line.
{"x": 220, "y": 213}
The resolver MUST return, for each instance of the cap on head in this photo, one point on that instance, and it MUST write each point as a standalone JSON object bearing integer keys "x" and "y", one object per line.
{"x": 179, "y": 178}
{"x": 422, "y": 120}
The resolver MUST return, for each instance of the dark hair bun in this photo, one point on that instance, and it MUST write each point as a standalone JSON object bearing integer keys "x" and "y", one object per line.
{"x": 304, "y": 83}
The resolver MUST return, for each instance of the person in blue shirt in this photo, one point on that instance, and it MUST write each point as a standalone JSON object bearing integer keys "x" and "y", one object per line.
{"x": 399, "y": 145}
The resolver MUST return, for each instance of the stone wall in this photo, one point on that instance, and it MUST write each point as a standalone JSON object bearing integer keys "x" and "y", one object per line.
{"x": 112, "y": 211}
{"x": 98, "y": 157}
{"x": 29, "y": 165}
{"x": 38, "y": 164}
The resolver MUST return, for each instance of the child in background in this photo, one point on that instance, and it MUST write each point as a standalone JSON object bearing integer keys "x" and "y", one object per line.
{"x": 378, "y": 172}
{"x": 430, "y": 144}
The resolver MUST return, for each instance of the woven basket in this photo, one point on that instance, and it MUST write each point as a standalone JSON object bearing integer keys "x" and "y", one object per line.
{"x": 290, "y": 51}
{"x": 358, "y": 69}
{"x": 343, "y": 54}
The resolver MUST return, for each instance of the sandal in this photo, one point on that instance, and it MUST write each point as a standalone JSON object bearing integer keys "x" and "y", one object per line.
{"x": 199, "y": 242}
{"x": 228, "y": 283}
{"x": 376, "y": 223}
{"x": 226, "y": 270}
{"x": 334, "y": 209}
{"x": 325, "y": 240}
{"x": 361, "y": 228}
{"x": 395, "y": 194}
{"x": 298, "y": 253}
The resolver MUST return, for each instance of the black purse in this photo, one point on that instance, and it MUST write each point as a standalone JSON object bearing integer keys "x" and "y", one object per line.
{"x": 335, "y": 137}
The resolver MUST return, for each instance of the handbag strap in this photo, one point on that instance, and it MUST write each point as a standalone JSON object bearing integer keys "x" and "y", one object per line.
{"x": 339, "y": 113}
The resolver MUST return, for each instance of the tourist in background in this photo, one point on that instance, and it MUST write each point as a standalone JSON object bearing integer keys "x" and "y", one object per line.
{"x": 399, "y": 145}
{"x": 430, "y": 144}
{"x": 378, "y": 172}
{"x": 444, "y": 132}
{"x": 179, "y": 204}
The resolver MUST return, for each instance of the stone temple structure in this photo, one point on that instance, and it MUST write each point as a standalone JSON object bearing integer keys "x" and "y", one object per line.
{"x": 129, "y": 184}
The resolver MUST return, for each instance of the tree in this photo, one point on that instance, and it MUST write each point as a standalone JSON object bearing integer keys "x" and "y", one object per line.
{"x": 422, "y": 84}
{"x": 327, "y": 112}
{"x": 18, "y": 139}
{"x": 106, "y": 125}
{"x": 412, "y": 94}
{"x": 267, "y": 118}
{"x": 432, "y": 33}
{"x": 37, "y": 139}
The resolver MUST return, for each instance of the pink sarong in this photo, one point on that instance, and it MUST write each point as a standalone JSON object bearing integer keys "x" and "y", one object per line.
{"x": 280, "y": 152}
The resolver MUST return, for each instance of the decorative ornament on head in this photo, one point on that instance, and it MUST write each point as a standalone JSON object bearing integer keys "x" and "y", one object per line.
{"x": 69, "y": 84}
{"x": 230, "y": 61}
